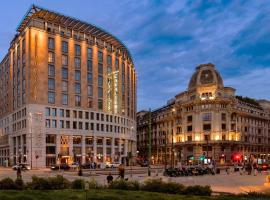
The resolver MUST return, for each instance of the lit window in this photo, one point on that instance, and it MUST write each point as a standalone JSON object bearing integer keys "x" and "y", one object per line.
{"x": 50, "y": 57}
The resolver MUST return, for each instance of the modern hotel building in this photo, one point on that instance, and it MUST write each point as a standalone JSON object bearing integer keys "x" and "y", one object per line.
{"x": 208, "y": 121}
{"x": 67, "y": 93}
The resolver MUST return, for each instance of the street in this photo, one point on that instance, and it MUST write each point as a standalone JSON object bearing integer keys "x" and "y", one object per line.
{"x": 228, "y": 183}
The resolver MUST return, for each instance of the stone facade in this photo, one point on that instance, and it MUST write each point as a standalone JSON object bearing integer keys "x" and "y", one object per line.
{"x": 68, "y": 93}
{"x": 206, "y": 121}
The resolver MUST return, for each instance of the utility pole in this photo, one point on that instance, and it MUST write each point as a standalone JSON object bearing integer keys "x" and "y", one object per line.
{"x": 149, "y": 143}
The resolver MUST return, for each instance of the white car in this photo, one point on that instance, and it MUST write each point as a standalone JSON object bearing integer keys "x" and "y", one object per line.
{"x": 23, "y": 166}
{"x": 112, "y": 165}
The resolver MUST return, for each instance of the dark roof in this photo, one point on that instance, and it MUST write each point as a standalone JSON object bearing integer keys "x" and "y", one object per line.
{"x": 72, "y": 23}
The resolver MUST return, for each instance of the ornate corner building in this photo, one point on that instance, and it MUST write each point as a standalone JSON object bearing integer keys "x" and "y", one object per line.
{"x": 206, "y": 121}
{"x": 67, "y": 93}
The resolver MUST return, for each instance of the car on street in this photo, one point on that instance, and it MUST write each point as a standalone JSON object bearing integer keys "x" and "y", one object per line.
{"x": 74, "y": 165}
{"x": 112, "y": 165}
{"x": 23, "y": 166}
{"x": 61, "y": 166}
{"x": 263, "y": 167}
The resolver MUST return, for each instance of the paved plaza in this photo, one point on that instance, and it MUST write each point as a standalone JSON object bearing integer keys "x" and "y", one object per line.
{"x": 228, "y": 183}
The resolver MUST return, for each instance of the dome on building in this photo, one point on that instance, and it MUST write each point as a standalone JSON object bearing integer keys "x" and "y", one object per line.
{"x": 205, "y": 74}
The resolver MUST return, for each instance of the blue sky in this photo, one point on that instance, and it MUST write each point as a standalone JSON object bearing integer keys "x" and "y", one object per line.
{"x": 168, "y": 39}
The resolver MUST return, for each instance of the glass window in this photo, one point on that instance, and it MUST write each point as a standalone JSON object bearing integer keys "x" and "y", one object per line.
{"x": 80, "y": 114}
{"x": 64, "y": 73}
{"x": 64, "y": 47}
{"x": 116, "y": 64}
{"x": 47, "y": 123}
{"x": 64, "y": 60}
{"x": 100, "y": 104}
{"x": 207, "y": 116}
{"x": 50, "y": 57}
{"x": 47, "y": 111}
{"x": 77, "y": 88}
{"x": 109, "y": 60}
{"x": 51, "y": 70}
{"x": 89, "y": 78}
{"x": 223, "y": 116}
{"x": 51, "y": 97}
{"x": 77, "y": 100}
{"x": 62, "y": 124}
{"x": 89, "y": 53}
{"x": 100, "y": 57}
{"x": 64, "y": 86}
{"x": 207, "y": 127}
{"x": 89, "y": 90}
{"x": 109, "y": 70}
{"x": 77, "y": 76}
{"x": 67, "y": 113}
{"x": 100, "y": 68}
{"x": 77, "y": 50}
{"x": 64, "y": 99}
{"x": 61, "y": 112}
{"x": 189, "y": 118}
{"x": 100, "y": 92}
{"x": 100, "y": 81}
{"x": 54, "y": 123}
{"x": 51, "y": 84}
{"x": 89, "y": 65}
{"x": 54, "y": 112}
{"x": 67, "y": 124}
{"x": 77, "y": 62}
{"x": 51, "y": 43}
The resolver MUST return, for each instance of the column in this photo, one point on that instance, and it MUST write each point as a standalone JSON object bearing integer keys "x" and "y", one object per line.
{"x": 58, "y": 147}
{"x": 70, "y": 145}
{"x": 83, "y": 149}
{"x": 119, "y": 150}
{"x": 112, "y": 149}
{"x": 95, "y": 148}
{"x": 104, "y": 150}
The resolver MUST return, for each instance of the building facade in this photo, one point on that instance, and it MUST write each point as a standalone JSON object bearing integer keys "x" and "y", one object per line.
{"x": 68, "y": 93}
{"x": 208, "y": 121}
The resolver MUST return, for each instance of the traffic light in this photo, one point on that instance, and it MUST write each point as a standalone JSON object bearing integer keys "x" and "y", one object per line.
{"x": 202, "y": 157}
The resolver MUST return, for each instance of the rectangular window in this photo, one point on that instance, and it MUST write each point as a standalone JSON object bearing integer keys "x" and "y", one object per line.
{"x": 51, "y": 84}
{"x": 89, "y": 53}
{"x": 64, "y": 47}
{"x": 109, "y": 70}
{"x": 64, "y": 73}
{"x": 67, "y": 124}
{"x": 89, "y": 65}
{"x": 61, "y": 123}
{"x": 100, "y": 68}
{"x": 207, "y": 127}
{"x": 54, "y": 123}
{"x": 77, "y": 75}
{"x": 100, "y": 92}
{"x": 50, "y": 57}
{"x": 77, "y": 50}
{"x": 100, "y": 57}
{"x": 116, "y": 64}
{"x": 51, "y": 97}
{"x": 64, "y": 60}
{"x": 100, "y": 81}
{"x": 51, "y": 70}
{"x": 54, "y": 112}
{"x": 47, "y": 111}
{"x": 223, "y": 127}
{"x": 89, "y": 78}
{"x": 80, "y": 114}
{"x": 64, "y": 99}
{"x": 77, "y": 100}
{"x": 61, "y": 112}
{"x": 86, "y": 115}
{"x": 77, "y": 62}
{"x": 47, "y": 123}
{"x": 189, "y": 128}
{"x": 51, "y": 43}
{"x": 89, "y": 90}
{"x": 189, "y": 118}
{"x": 100, "y": 104}
{"x": 77, "y": 88}
{"x": 223, "y": 116}
{"x": 109, "y": 60}
{"x": 67, "y": 113}
{"x": 207, "y": 116}
{"x": 64, "y": 86}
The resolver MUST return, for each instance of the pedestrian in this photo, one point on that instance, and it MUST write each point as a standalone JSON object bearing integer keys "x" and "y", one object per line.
{"x": 121, "y": 171}
{"x": 19, "y": 172}
{"x": 80, "y": 173}
{"x": 109, "y": 178}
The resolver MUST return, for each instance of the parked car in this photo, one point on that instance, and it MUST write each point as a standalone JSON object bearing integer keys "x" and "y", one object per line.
{"x": 263, "y": 167}
{"x": 74, "y": 165}
{"x": 112, "y": 165}
{"x": 23, "y": 166}
{"x": 62, "y": 167}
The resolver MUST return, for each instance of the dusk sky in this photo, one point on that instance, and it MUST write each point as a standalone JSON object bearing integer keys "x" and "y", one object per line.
{"x": 168, "y": 39}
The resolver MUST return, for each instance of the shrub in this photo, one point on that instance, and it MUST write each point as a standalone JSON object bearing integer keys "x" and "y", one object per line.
{"x": 173, "y": 188}
{"x": 39, "y": 184}
{"x": 58, "y": 183}
{"x": 78, "y": 184}
{"x": 153, "y": 185}
{"x": 93, "y": 184}
{"x": 7, "y": 184}
{"x": 198, "y": 190}
{"x": 125, "y": 185}
{"x": 19, "y": 184}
